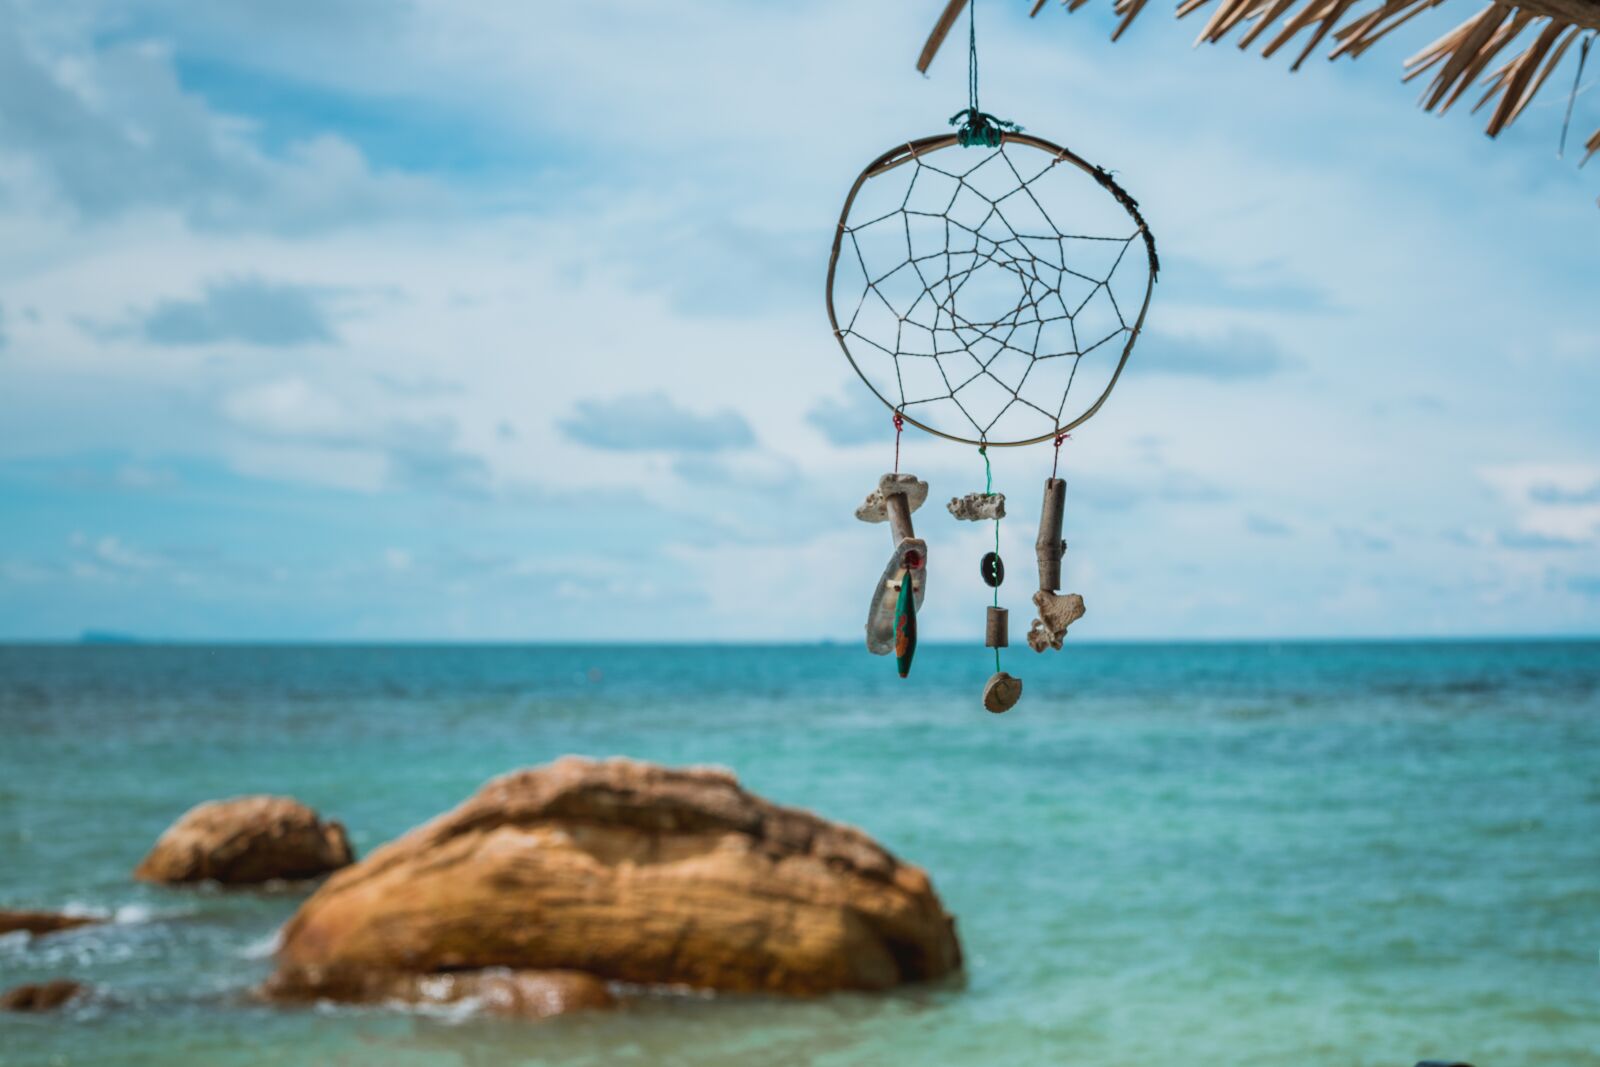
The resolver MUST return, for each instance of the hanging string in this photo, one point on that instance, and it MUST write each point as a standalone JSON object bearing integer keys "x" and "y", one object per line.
{"x": 1056, "y": 463}
{"x": 988, "y": 490}
{"x": 899, "y": 425}
{"x": 1566, "y": 123}
{"x": 977, "y": 128}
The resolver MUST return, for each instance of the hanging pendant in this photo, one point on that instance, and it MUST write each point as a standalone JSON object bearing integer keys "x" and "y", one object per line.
{"x": 905, "y": 625}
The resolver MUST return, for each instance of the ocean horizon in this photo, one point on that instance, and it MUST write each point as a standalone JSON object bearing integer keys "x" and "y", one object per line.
{"x": 1326, "y": 854}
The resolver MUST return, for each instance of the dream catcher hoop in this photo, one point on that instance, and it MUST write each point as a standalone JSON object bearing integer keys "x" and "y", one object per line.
{"x": 988, "y": 286}
{"x": 974, "y": 296}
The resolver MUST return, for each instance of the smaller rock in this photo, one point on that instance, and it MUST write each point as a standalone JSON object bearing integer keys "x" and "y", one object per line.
{"x": 873, "y": 509}
{"x": 246, "y": 841}
{"x": 1057, "y": 611}
{"x": 1002, "y": 692}
{"x": 42, "y": 922}
{"x": 978, "y": 507}
{"x": 522, "y": 994}
{"x": 40, "y": 996}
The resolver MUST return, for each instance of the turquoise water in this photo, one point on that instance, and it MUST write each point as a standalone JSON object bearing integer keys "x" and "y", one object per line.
{"x": 1309, "y": 855}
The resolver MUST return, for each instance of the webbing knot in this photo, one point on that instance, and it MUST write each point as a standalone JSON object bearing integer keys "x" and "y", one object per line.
{"x": 979, "y": 129}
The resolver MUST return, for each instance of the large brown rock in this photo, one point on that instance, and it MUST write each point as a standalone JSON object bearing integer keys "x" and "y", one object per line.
{"x": 244, "y": 841}
{"x": 42, "y": 922}
{"x": 629, "y": 872}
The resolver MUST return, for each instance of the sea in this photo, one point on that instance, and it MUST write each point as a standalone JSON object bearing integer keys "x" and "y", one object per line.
{"x": 1245, "y": 855}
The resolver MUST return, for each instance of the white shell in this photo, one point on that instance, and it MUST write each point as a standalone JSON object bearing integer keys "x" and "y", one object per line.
{"x": 885, "y": 598}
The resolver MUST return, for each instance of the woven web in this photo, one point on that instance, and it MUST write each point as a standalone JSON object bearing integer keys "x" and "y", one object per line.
{"x": 977, "y": 313}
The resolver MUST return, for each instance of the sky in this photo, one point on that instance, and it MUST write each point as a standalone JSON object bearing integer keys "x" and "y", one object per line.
{"x": 441, "y": 320}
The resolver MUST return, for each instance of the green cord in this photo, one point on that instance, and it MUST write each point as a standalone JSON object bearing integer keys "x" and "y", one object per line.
{"x": 977, "y": 128}
{"x": 988, "y": 490}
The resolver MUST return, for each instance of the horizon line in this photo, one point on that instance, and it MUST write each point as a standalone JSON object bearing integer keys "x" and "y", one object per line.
{"x": 102, "y": 639}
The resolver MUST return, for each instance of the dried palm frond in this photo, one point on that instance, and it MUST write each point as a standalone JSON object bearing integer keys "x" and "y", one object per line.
{"x": 1458, "y": 60}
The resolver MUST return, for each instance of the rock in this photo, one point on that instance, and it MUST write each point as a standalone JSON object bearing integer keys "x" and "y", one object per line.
{"x": 1056, "y": 613}
{"x": 1002, "y": 692}
{"x": 42, "y": 922}
{"x": 629, "y": 872}
{"x": 40, "y": 996}
{"x": 978, "y": 507}
{"x": 522, "y": 994}
{"x": 874, "y": 509}
{"x": 245, "y": 841}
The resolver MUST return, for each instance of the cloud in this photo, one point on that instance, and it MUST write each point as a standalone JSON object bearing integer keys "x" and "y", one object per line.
{"x": 1263, "y": 526}
{"x": 1263, "y": 287}
{"x": 249, "y": 310}
{"x": 1553, "y": 504}
{"x": 859, "y": 419}
{"x": 1235, "y": 356}
{"x": 107, "y": 128}
{"x": 290, "y": 407}
{"x": 643, "y": 422}
{"x": 1350, "y": 537}
{"x": 404, "y": 452}
{"x": 748, "y": 472}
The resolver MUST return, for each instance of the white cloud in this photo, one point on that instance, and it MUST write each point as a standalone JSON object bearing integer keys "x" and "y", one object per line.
{"x": 1553, "y": 504}
{"x": 291, "y": 407}
{"x": 666, "y": 237}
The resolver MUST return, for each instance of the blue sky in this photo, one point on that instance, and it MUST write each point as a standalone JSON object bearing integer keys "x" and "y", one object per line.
{"x": 352, "y": 319}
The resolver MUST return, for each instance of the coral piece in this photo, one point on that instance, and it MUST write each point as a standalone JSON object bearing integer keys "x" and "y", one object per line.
{"x": 1057, "y": 611}
{"x": 1002, "y": 692}
{"x": 978, "y": 507}
{"x": 874, "y": 508}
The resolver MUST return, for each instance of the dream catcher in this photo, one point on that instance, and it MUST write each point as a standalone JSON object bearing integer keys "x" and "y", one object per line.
{"x": 988, "y": 287}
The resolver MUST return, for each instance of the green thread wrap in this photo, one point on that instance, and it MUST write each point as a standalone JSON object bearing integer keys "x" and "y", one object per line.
{"x": 979, "y": 129}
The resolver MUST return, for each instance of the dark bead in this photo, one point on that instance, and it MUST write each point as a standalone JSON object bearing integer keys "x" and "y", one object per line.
{"x": 992, "y": 569}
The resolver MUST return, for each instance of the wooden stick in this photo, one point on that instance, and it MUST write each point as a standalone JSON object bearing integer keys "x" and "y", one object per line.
{"x": 1048, "y": 546}
{"x": 941, "y": 30}
{"x": 899, "y": 516}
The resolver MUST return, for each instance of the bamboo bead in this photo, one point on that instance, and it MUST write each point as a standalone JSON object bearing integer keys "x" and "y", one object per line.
{"x": 997, "y": 631}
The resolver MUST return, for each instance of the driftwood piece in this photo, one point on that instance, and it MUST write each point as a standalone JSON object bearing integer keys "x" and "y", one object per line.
{"x": 978, "y": 507}
{"x": 885, "y": 596}
{"x": 899, "y": 509}
{"x": 1002, "y": 692}
{"x": 1049, "y": 546}
{"x": 997, "y": 628}
{"x": 1056, "y": 613}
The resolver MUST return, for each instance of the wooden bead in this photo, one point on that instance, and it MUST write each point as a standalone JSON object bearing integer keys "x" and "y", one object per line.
{"x": 997, "y": 631}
